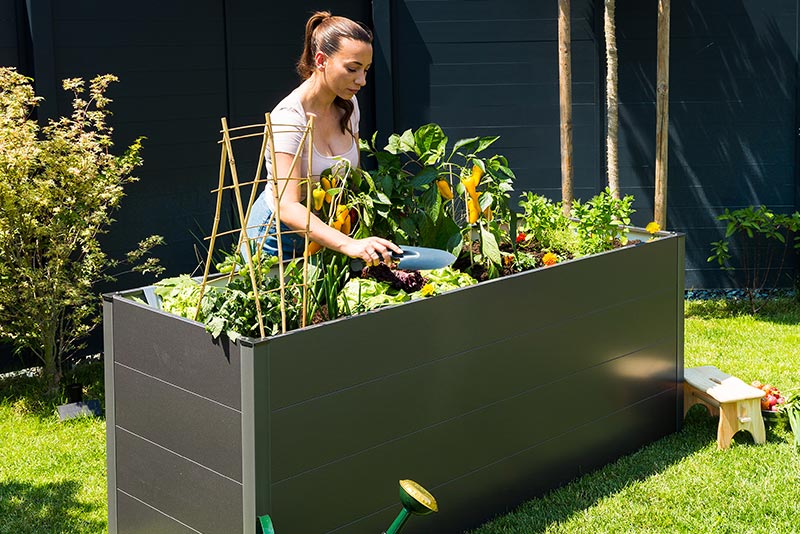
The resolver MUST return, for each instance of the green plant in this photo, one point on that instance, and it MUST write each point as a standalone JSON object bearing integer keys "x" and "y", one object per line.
{"x": 764, "y": 239}
{"x": 409, "y": 198}
{"x": 602, "y": 220}
{"x": 544, "y": 224}
{"x": 59, "y": 185}
{"x": 230, "y": 307}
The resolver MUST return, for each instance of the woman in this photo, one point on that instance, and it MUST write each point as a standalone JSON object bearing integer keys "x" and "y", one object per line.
{"x": 336, "y": 57}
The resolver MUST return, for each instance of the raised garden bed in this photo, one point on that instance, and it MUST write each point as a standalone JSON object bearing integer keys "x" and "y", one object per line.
{"x": 563, "y": 370}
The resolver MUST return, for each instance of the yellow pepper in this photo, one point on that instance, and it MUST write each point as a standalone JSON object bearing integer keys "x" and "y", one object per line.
{"x": 328, "y": 184}
{"x": 342, "y": 221}
{"x": 319, "y": 196}
{"x": 487, "y": 213}
{"x": 471, "y": 184}
{"x": 444, "y": 189}
{"x": 473, "y": 210}
{"x": 475, "y": 177}
{"x": 313, "y": 248}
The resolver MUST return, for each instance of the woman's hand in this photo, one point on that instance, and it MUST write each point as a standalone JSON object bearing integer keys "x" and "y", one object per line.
{"x": 372, "y": 250}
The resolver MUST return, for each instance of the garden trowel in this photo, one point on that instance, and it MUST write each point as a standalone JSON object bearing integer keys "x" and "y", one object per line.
{"x": 415, "y": 259}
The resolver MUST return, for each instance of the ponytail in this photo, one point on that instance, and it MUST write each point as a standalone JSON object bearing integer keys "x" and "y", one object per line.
{"x": 324, "y": 33}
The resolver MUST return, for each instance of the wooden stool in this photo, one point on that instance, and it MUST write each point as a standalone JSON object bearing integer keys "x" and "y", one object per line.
{"x": 737, "y": 404}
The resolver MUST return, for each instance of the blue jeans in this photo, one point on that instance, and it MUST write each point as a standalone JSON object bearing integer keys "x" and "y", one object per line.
{"x": 293, "y": 244}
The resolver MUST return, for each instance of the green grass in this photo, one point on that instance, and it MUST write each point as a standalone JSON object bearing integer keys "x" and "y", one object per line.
{"x": 682, "y": 483}
{"x": 52, "y": 475}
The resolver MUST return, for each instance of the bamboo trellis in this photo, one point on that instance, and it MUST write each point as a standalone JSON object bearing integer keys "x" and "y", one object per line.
{"x": 227, "y": 166}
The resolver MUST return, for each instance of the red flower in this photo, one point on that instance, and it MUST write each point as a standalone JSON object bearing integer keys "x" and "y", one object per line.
{"x": 521, "y": 237}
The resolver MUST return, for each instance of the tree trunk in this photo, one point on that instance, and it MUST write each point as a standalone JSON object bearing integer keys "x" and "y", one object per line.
{"x": 51, "y": 375}
{"x": 662, "y": 115}
{"x": 612, "y": 98}
{"x": 565, "y": 100}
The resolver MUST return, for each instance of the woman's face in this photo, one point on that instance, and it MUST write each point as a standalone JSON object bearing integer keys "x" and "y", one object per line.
{"x": 345, "y": 72}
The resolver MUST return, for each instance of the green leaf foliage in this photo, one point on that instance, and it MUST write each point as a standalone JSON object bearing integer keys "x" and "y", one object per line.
{"x": 59, "y": 186}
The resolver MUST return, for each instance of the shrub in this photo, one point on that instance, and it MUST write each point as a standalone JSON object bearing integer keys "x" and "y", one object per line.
{"x": 59, "y": 185}
{"x": 764, "y": 239}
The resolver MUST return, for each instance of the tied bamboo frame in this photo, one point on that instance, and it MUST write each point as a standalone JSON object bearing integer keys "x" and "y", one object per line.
{"x": 266, "y": 131}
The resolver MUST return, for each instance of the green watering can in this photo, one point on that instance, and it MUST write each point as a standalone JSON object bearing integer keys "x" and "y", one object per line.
{"x": 414, "y": 498}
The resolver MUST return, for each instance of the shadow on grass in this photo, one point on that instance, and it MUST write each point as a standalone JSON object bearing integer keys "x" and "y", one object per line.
{"x": 48, "y": 507}
{"x": 537, "y": 515}
{"x": 29, "y": 395}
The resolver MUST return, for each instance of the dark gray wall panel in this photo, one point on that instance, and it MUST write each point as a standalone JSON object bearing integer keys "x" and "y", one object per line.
{"x": 187, "y": 424}
{"x": 199, "y": 365}
{"x": 460, "y": 383}
{"x": 176, "y": 486}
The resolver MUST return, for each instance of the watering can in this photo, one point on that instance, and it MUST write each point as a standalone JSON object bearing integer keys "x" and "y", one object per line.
{"x": 415, "y": 500}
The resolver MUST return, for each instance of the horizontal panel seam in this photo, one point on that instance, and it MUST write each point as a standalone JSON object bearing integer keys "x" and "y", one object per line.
{"x": 159, "y": 511}
{"x": 236, "y": 410}
{"x": 198, "y": 464}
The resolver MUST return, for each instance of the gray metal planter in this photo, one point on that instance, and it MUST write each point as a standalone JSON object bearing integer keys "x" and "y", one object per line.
{"x": 486, "y": 396}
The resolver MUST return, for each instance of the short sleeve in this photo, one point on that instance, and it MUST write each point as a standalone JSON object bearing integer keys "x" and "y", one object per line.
{"x": 288, "y": 125}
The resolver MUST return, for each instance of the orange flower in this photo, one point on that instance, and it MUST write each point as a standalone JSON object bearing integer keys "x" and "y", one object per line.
{"x": 549, "y": 259}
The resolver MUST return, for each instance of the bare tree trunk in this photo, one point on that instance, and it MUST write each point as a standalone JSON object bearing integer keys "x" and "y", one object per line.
{"x": 612, "y": 99}
{"x": 662, "y": 115}
{"x": 565, "y": 99}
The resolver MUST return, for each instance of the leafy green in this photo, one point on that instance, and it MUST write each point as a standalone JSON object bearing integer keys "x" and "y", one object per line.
{"x": 364, "y": 294}
{"x": 179, "y": 295}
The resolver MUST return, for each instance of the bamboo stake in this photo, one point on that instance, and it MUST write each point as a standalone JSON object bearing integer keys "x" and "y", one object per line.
{"x": 662, "y": 115}
{"x": 565, "y": 102}
{"x": 277, "y": 218}
{"x": 612, "y": 98}
{"x": 243, "y": 238}
{"x": 309, "y": 204}
{"x": 214, "y": 228}
{"x": 243, "y": 222}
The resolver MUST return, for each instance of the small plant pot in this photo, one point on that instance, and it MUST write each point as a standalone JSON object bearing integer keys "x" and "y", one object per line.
{"x": 74, "y": 392}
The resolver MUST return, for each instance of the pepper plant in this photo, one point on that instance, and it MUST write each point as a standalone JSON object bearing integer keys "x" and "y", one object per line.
{"x": 409, "y": 197}
{"x": 59, "y": 185}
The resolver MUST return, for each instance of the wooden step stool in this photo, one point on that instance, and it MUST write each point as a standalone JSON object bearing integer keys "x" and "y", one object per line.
{"x": 737, "y": 404}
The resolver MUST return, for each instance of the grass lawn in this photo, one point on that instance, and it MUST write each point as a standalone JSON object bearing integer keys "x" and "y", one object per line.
{"x": 52, "y": 475}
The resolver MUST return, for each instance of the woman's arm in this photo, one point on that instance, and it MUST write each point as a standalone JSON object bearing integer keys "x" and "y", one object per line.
{"x": 372, "y": 250}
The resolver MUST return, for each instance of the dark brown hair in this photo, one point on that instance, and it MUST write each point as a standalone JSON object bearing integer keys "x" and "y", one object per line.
{"x": 324, "y": 33}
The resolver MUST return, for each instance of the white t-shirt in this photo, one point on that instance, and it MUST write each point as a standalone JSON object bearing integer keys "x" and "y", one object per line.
{"x": 288, "y": 121}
